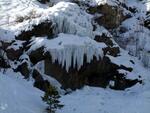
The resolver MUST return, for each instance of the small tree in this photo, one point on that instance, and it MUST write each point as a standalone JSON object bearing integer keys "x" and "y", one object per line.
{"x": 51, "y": 97}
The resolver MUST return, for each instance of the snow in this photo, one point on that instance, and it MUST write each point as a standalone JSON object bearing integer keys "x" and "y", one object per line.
{"x": 103, "y": 2}
{"x": 11, "y": 7}
{"x": 66, "y": 47}
{"x": 123, "y": 59}
{"x": 67, "y": 18}
{"x": 97, "y": 100}
{"x": 18, "y": 95}
{"x": 26, "y": 99}
{"x": 16, "y": 45}
{"x": 40, "y": 67}
{"x": 136, "y": 38}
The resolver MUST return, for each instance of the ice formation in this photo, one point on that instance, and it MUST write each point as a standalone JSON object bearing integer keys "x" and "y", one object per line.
{"x": 66, "y": 17}
{"x": 67, "y": 48}
{"x": 136, "y": 39}
{"x": 69, "y": 18}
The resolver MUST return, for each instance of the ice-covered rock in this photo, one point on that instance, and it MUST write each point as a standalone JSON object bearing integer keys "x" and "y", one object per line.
{"x": 64, "y": 17}
{"x": 68, "y": 49}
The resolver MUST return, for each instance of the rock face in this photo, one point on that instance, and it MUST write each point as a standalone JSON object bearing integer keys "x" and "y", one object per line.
{"x": 14, "y": 54}
{"x": 99, "y": 73}
{"x": 111, "y": 16}
{"x": 24, "y": 69}
{"x": 39, "y": 81}
{"x": 147, "y": 21}
{"x": 43, "y": 1}
{"x": 37, "y": 55}
{"x": 3, "y": 63}
{"x": 96, "y": 73}
{"x": 42, "y": 29}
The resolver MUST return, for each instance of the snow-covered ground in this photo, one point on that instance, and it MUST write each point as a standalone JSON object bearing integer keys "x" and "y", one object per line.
{"x": 8, "y": 8}
{"x": 99, "y": 100}
{"x": 18, "y": 95}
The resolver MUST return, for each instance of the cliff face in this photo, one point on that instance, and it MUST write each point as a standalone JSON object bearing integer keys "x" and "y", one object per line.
{"x": 80, "y": 41}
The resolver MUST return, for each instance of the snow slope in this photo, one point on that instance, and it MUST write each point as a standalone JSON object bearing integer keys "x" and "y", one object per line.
{"x": 67, "y": 18}
{"x": 8, "y": 8}
{"x": 99, "y": 100}
{"x": 136, "y": 37}
{"x": 18, "y": 95}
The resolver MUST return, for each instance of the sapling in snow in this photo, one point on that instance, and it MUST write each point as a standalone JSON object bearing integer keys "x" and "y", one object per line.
{"x": 51, "y": 97}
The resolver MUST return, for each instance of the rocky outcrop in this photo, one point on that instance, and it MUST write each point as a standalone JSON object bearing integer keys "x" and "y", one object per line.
{"x": 110, "y": 16}
{"x": 3, "y": 60}
{"x": 15, "y": 50}
{"x": 43, "y": 1}
{"x": 96, "y": 73}
{"x": 110, "y": 50}
{"x": 147, "y": 20}
{"x": 62, "y": 57}
{"x": 103, "y": 38}
{"x": 4, "y": 63}
{"x": 37, "y": 55}
{"x": 24, "y": 69}
{"x": 39, "y": 81}
{"x": 43, "y": 29}
{"x": 14, "y": 54}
